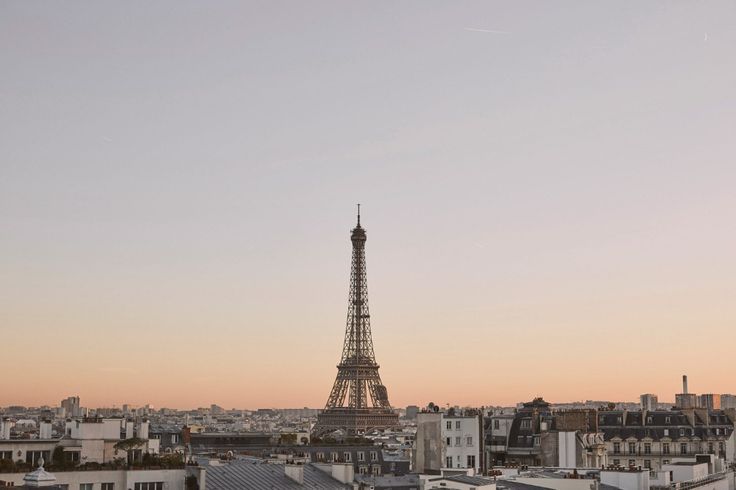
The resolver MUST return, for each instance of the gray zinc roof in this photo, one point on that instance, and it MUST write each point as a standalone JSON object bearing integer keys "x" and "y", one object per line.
{"x": 243, "y": 475}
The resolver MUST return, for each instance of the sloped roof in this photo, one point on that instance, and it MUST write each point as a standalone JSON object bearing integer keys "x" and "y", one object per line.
{"x": 244, "y": 475}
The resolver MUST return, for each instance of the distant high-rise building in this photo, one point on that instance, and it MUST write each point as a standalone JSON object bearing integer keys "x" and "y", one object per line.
{"x": 686, "y": 399}
{"x": 411, "y": 412}
{"x": 728, "y": 401}
{"x": 711, "y": 401}
{"x": 649, "y": 401}
{"x": 71, "y": 406}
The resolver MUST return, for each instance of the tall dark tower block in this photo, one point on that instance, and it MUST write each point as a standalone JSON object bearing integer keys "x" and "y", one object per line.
{"x": 358, "y": 381}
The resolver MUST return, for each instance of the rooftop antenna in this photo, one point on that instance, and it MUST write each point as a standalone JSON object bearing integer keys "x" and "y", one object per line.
{"x": 358, "y": 214}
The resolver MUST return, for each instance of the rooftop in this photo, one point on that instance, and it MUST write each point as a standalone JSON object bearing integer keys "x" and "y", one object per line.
{"x": 244, "y": 475}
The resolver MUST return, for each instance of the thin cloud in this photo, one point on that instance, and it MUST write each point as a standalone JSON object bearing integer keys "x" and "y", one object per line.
{"x": 491, "y": 31}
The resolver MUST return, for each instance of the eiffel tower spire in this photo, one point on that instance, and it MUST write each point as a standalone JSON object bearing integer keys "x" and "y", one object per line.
{"x": 358, "y": 401}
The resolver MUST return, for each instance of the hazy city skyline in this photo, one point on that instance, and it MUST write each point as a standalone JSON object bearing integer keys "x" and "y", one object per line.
{"x": 547, "y": 189}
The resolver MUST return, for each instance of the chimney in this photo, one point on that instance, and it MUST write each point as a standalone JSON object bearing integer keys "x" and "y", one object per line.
{"x": 343, "y": 472}
{"x": 684, "y": 383}
{"x": 143, "y": 429}
{"x": 5, "y": 425}
{"x": 44, "y": 430}
{"x": 295, "y": 472}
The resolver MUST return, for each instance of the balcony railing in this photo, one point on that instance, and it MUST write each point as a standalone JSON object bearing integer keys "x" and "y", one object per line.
{"x": 672, "y": 454}
{"x": 687, "y": 485}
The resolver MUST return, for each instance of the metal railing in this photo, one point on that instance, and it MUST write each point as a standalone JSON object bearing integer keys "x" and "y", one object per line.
{"x": 686, "y": 485}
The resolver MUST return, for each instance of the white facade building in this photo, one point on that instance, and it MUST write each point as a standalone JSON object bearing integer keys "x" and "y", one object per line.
{"x": 462, "y": 442}
{"x": 448, "y": 441}
{"x": 110, "y": 479}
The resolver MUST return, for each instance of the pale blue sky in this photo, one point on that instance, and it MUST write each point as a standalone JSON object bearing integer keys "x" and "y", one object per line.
{"x": 186, "y": 172}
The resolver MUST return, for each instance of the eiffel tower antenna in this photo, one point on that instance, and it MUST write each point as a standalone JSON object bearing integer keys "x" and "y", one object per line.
{"x": 358, "y": 401}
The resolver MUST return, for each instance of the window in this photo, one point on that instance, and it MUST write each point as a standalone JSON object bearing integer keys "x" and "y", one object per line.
{"x": 333, "y": 457}
{"x": 471, "y": 461}
{"x": 710, "y": 448}
{"x": 632, "y": 448}
{"x": 361, "y": 456}
{"x": 526, "y": 424}
{"x": 616, "y": 448}
{"x": 449, "y": 425}
{"x": 374, "y": 456}
{"x": 457, "y": 440}
{"x": 174, "y": 438}
{"x": 32, "y": 457}
{"x": 665, "y": 448}
{"x": 619, "y": 420}
{"x": 720, "y": 447}
{"x": 347, "y": 456}
{"x": 682, "y": 432}
{"x": 683, "y": 448}
{"x": 665, "y": 461}
{"x": 449, "y": 441}
{"x": 363, "y": 470}
{"x": 469, "y": 441}
{"x": 647, "y": 448}
{"x": 376, "y": 469}
{"x": 496, "y": 424}
{"x": 667, "y": 420}
{"x": 616, "y": 462}
{"x": 107, "y": 486}
{"x": 6, "y": 455}
{"x": 648, "y": 464}
{"x": 457, "y": 424}
{"x": 649, "y": 419}
{"x": 320, "y": 456}
{"x": 718, "y": 431}
{"x": 666, "y": 432}
{"x": 149, "y": 486}
{"x": 448, "y": 462}
{"x": 86, "y": 486}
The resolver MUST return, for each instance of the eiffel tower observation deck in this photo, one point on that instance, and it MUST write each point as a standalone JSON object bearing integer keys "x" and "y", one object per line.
{"x": 358, "y": 401}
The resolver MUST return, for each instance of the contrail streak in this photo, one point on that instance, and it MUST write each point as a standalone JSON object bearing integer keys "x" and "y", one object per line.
{"x": 475, "y": 29}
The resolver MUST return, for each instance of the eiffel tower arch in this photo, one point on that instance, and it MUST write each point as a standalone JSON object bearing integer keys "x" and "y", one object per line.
{"x": 358, "y": 401}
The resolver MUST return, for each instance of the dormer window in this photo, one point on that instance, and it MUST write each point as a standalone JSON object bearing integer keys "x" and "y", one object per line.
{"x": 666, "y": 420}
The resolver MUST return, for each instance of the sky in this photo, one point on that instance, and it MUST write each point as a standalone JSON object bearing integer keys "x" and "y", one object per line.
{"x": 547, "y": 188}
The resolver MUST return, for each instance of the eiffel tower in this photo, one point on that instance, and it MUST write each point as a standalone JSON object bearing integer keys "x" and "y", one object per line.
{"x": 357, "y": 380}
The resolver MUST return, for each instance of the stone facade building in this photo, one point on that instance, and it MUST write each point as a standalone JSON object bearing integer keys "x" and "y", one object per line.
{"x": 651, "y": 439}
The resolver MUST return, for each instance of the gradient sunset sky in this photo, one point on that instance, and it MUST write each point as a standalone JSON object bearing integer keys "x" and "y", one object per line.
{"x": 549, "y": 191}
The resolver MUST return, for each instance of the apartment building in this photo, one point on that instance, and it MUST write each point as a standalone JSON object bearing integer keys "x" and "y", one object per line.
{"x": 449, "y": 440}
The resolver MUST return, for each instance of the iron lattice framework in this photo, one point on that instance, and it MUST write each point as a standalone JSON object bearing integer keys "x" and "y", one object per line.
{"x": 358, "y": 381}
